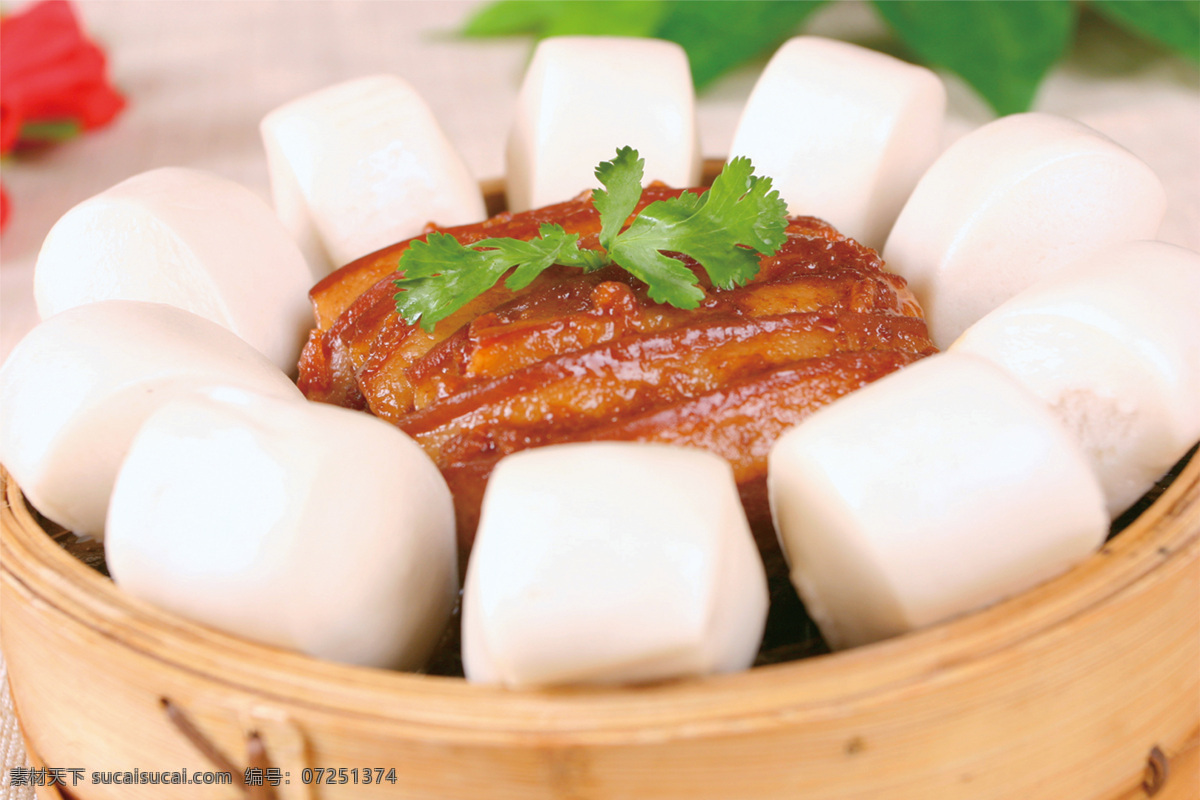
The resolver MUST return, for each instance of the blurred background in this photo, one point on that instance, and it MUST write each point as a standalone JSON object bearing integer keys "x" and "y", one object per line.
{"x": 198, "y": 75}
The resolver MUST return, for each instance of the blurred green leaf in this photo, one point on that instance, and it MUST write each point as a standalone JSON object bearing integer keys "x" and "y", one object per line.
{"x": 508, "y": 18}
{"x": 544, "y": 18}
{"x": 1174, "y": 23}
{"x": 54, "y": 130}
{"x": 720, "y": 35}
{"x": 1002, "y": 49}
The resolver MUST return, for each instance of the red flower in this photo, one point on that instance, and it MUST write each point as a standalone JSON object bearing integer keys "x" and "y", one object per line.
{"x": 49, "y": 72}
{"x": 52, "y": 78}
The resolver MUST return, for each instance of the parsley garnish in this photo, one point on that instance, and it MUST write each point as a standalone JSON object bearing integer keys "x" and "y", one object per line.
{"x": 724, "y": 229}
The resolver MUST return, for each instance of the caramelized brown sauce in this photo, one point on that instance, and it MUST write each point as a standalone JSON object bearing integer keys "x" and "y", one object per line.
{"x": 577, "y": 357}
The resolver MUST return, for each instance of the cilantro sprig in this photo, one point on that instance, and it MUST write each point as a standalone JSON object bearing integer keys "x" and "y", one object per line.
{"x": 725, "y": 230}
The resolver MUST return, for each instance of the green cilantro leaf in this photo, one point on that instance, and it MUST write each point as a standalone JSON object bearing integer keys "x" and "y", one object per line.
{"x": 437, "y": 272}
{"x": 724, "y": 229}
{"x": 531, "y": 258}
{"x": 441, "y": 275}
{"x": 622, "y": 181}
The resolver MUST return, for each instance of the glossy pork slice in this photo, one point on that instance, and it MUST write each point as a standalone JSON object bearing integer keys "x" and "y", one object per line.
{"x": 738, "y": 421}
{"x": 334, "y": 294}
{"x": 578, "y": 357}
{"x": 360, "y": 338}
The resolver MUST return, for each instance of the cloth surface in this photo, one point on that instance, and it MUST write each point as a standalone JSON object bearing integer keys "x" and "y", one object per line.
{"x": 199, "y": 77}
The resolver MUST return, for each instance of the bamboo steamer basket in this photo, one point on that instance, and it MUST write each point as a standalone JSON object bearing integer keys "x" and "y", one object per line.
{"x": 1087, "y": 686}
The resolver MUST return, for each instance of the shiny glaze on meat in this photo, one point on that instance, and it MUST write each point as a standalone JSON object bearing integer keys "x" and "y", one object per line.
{"x": 588, "y": 356}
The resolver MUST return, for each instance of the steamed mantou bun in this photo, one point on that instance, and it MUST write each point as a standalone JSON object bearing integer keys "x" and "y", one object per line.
{"x": 75, "y": 390}
{"x": 936, "y": 490}
{"x": 1013, "y": 202}
{"x": 302, "y": 525}
{"x": 844, "y": 132}
{"x": 189, "y": 239}
{"x": 611, "y": 562}
{"x": 585, "y": 96}
{"x": 1112, "y": 345}
{"x": 362, "y": 164}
